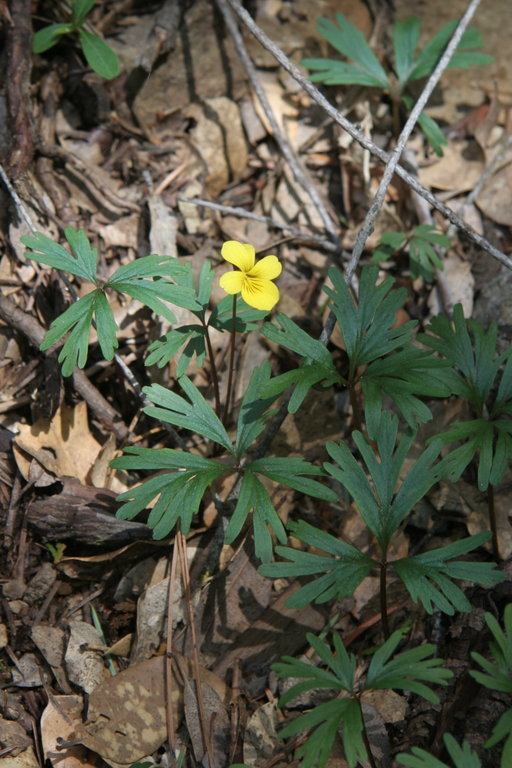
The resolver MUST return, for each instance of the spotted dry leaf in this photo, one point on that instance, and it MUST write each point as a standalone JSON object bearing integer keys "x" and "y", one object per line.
{"x": 126, "y": 714}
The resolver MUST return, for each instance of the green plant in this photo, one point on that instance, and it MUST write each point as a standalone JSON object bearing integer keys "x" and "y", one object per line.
{"x": 498, "y": 677}
{"x": 428, "y": 577}
{"x": 180, "y": 490}
{"x": 408, "y": 670}
{"x": 98, "y": 54}
{"x": 365, "y": 69}
{"x": 461, "y": 756}
{"x": 382, "y": 364}
{"x": 475, "y": 371}
{"x": 420, "y": 244}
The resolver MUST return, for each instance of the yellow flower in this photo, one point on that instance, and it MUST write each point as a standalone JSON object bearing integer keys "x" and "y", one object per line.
{"x": 253, "y": 279}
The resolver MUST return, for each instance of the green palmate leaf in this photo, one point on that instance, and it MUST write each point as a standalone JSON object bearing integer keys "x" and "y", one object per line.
{"x": 491, "y": 441}
{"x": 461, "y": 756}
{"x": 437, "y": 141}
{"x": 46, "y": 38}
{"x": 292, "y": 337}
{"x": 402, "y": 376}
{"x": 316, "y": 367}
{"x": 339, "y": 715}
{"x": 106, "y": 326}
{"x": 254, "y": 411}
{"x": 162, "y": 351}
{"x": 429, "y": 577}
{"x": 178, "y": 491}
{"x": 194, "y": 414}
{"x": 387, "y": 245}
{"x": 77, "y": 317}
{"x": 46, "y": 251}
{"x": 80, "y": 10}
{"x": 498, "y": 675}
{"x": 407, "y": 671}
{"x": 348, "y": 40}
{"x": 367, "y": 327}
{"x": 406, "y": 35}
{"x": 339, "y": 675}
{"x": 254, "y": 497}
{"x": 99, "y": 55}
{"x": 334, "y": 72}
{"x": 471, "y": 349}
{"x": 431, "y": 53}
{"x": 289, "y": 471}
{"x": 156, "y": 266}
{"x": 343, "y": 568}
{"x": 424, "y": 259}
{"x": 382, "y": 507}
{"x": 503, "y": 730}
{"x": 247, "y": 317}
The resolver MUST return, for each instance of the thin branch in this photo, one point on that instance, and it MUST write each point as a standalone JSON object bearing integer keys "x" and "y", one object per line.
{"x": 229, "y": 210}
{"x": 318, "y": 97}
{"x": 278, "y": 135}
{"x": 28, "y": 325}
{"x": 367, "y": 228}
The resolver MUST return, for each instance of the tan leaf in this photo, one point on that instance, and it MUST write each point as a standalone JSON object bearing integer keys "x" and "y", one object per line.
{"x": 63, "y": 445}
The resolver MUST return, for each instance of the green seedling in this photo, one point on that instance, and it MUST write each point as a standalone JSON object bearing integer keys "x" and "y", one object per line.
{"x": 420, "y": 244}
{"x": 461, "y": 756}
{"x": 100, "y": 56}
{"x": 411, "y": 670}
{"x": 497, "y": 676}
{"x": 364, "y": 68}
{"x": 484, "y": 379}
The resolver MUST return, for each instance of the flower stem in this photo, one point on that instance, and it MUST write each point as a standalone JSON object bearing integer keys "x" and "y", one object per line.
{"x": 231, "y": 364}
{"x": 213, "y": 369}
{"x": 384, "y": 597}
{"x": 492, "y": 522}
{"x": 366, "y": 740}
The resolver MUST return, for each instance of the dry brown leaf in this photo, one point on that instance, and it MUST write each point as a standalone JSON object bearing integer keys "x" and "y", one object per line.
{"x": 84, "y": 666}
{"x": 389, "y": 704}
{"x": 456, "y": 284}
{"x": 495, "y": 199}
{"x": 61, "y": 716}
{"x": 14, "y": 736}
{"x": 455, "y": 171}
{"x": 126, "y": 716}
{"x": 63, "y": 446}
{"x": 219, "y": 139}
{"x": 261, "y": 739}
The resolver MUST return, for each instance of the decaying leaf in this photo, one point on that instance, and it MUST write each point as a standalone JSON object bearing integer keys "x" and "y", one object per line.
{"x": 85, "y": 667}
{"x": 126, "y": 716}
{"x": 261, "y": 739}
{"x": 63, "y": 446}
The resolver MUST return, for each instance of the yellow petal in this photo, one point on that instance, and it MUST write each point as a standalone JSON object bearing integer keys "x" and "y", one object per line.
{"x": 267, "y": 268}
{"x": 242, "y": 255}
{"x": 259, "y": 293}
{"x": 232, "y": 282}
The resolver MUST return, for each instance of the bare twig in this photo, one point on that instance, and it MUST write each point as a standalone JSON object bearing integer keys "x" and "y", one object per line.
{"x": 29, "y": 326}
{"x": 315, "y": 94}
{"x": 181, "y": 545}
{"x": 392, "y": 163}
{"x": 287, "y": 151}
{"x": 229, "y": 210}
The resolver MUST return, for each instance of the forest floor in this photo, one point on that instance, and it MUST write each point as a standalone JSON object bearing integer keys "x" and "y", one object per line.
{"x": 137, "y": 162}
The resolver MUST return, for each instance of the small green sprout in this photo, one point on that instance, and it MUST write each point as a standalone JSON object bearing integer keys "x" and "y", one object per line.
{"x": 98, "y": 54}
